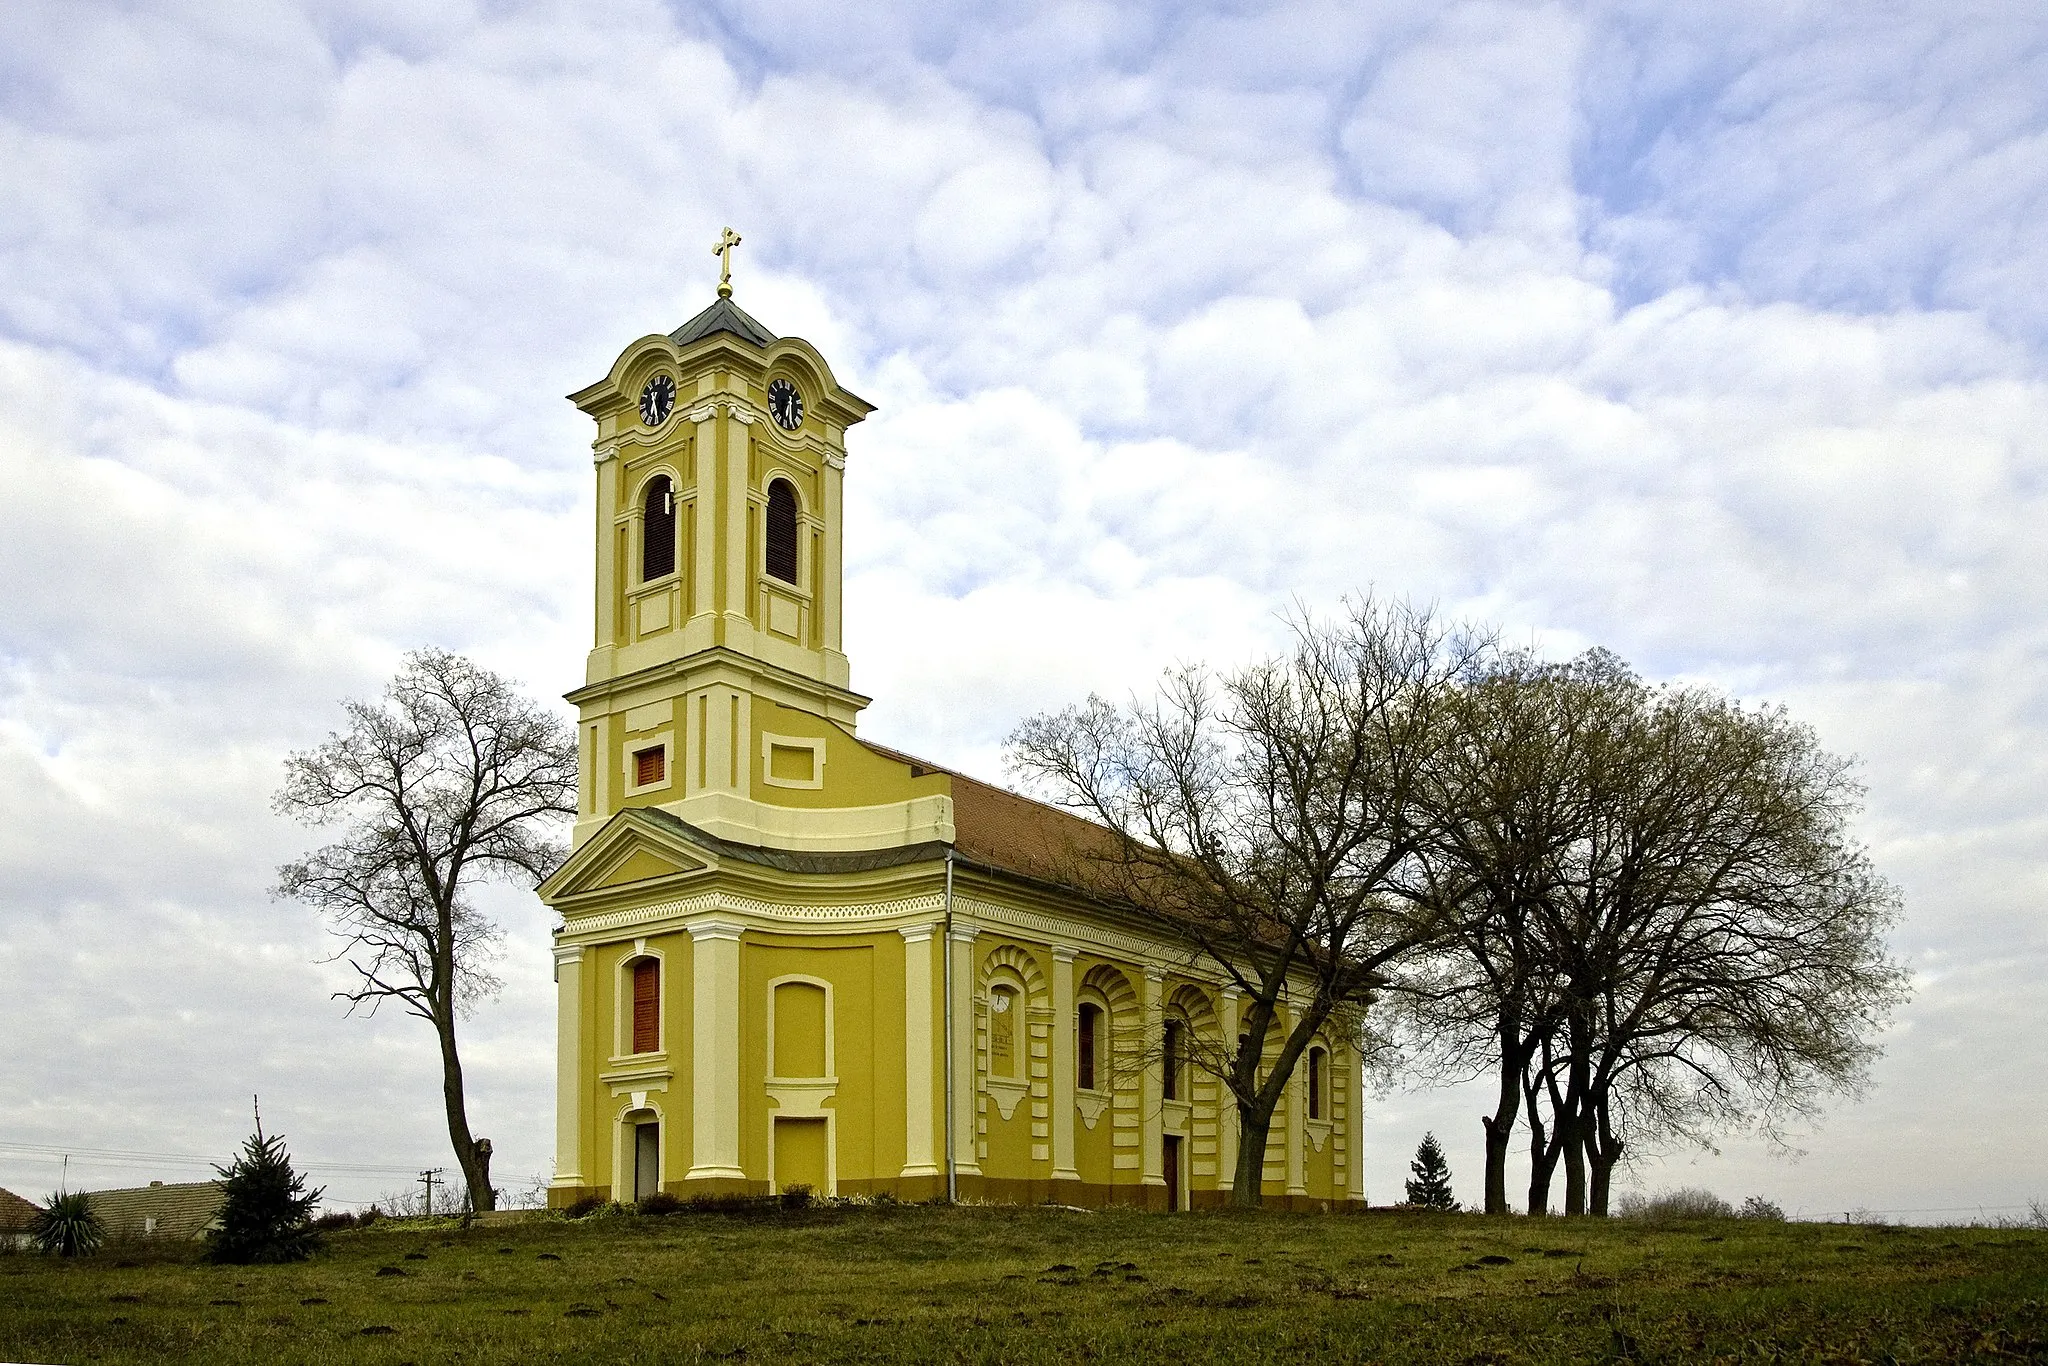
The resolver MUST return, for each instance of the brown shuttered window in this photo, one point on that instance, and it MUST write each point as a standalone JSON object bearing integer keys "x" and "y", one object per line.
{"x": 1315, "y": 1083}
{"x": 650, "y": 766}
{"x": 646, "y": 1006}
{"x": 658, "y": 530}
{"x": 1087, "y": 1048}
{"x": 782, "y": 531}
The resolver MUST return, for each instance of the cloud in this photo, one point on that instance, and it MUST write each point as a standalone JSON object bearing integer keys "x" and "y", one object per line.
{"x": 1718, "y": 343}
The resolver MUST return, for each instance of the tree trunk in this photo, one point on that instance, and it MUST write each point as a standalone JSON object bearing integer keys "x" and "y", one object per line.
{"x": 1574, "y": 1167}
{"x": 1543, "y": 1150}
{"x": 1248, "y": 1191}
{"x": 1573, "y": 1120}
{"x": 1500, "y": 1125}
{"x": 1603, "y": 1150}
{"x": 476, "y": 1169}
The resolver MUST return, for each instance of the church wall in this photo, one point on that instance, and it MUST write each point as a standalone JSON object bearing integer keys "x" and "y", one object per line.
{"x": 861, "y": 1096}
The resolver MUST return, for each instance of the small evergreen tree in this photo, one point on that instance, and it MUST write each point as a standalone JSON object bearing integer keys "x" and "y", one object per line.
{"x": 68, "y": 1226}
{"x": 1430, "y": 1187}
{"x": 266, "y": 1212}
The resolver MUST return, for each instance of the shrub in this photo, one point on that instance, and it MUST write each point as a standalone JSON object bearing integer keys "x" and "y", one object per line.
{"x": 266, "y": 1212}
{"x": 796, "y": 1196}
{"x": 68, "y": 1226}
{"x": 661, "y": 1202}
{"x": 335, "y": 1220}
{"x": 1756, "y": 1207}
{"x": 1687, "y": 1202}
{"x": 584, "y": 1208}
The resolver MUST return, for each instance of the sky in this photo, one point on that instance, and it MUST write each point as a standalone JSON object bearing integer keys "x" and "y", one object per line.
{"x": 1714, "y": 335}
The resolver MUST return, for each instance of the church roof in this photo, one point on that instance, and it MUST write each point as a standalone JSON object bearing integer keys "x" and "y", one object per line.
{"x": 723, "y": 316}
{"x": 1009, "y": 833}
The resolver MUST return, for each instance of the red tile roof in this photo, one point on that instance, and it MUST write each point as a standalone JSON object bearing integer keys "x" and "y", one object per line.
{"x": 15, "y": 1212}
{"x": 1001, "y": 829}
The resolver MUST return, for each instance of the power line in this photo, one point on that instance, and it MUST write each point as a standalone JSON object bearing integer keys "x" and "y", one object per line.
{"x": 136, "y": 1155}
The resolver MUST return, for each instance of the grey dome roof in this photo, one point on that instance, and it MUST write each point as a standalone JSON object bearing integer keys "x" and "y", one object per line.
{"x": 723, "y": 316}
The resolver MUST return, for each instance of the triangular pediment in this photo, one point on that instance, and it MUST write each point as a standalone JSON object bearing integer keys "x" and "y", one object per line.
{"x": 635, "y": 848}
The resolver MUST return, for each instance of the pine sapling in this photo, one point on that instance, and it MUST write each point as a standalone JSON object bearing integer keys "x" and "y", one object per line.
{"x": 266, "y": 1211}
{"x": 1430, "y": 1186}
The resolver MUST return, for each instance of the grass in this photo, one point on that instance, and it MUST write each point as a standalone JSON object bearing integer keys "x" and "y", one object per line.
{"x": 1023, "y": 1285}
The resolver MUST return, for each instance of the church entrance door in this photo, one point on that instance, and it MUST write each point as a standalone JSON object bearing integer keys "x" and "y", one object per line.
{"x": 1172, "y": 1165}
{"x": 646, "y": 1160}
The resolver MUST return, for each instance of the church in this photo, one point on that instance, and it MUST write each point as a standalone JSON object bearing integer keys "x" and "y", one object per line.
{"x": 790, "y": 957}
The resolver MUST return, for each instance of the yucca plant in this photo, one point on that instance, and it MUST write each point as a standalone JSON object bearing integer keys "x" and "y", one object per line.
{"x": 68, "y": 1226}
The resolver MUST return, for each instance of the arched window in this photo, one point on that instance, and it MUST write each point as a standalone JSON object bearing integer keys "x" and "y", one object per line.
{"x": 1086, "y": 1046}
{"x": 646, "y": 1006}
{"x": 1318, "y": 1077}
{"x": 1175, "y": 1050}
{"x": 1003, "y": 1053}
{"x": 782, "y": 531}
{"x": 658, "y": 530}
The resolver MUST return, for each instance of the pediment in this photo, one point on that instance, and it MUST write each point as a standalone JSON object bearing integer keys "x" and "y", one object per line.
{"x": 632, "y": 849}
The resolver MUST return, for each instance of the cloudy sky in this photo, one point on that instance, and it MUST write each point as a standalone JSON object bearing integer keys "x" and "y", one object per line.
{"x": 1717, "y": 335}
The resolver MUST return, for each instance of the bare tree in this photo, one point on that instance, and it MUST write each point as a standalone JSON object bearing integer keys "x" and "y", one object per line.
{"x": 1510, "y": 797}
{"x": 1729, "y": 957}
{"x": 451, "y": 778}
{"x": 1662, "y": 927}
{"x": 1717, "y": 936}
{"x": 1270, "y": 820}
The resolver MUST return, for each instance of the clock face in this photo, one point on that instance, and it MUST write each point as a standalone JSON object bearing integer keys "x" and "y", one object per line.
{"x": 657, "y": 400}
{"x": 785, "y": 405}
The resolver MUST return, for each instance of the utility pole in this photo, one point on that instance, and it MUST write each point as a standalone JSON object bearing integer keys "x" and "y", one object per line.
{"x": 427, "y": 1179}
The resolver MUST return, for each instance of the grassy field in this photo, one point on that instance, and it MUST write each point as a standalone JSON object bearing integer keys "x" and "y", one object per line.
{"x": 930, "y": 1284}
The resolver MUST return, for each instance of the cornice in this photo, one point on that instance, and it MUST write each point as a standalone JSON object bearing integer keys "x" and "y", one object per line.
{"x": 729, "y": 909}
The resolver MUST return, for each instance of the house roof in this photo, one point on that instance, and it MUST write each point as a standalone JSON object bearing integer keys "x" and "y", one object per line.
{"x": 15, "y": 1212}
{"x": 723, "y": 316}
{"x": 181, "y": 1210}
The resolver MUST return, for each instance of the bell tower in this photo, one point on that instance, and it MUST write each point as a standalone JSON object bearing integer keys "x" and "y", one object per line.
{"x": 720, "y": 452}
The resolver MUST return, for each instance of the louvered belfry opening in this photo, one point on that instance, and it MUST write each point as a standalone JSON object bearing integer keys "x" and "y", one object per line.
{"x": 658, "y": 530}
{"x": 646, "y": 1006}
{"x": 782, "y": 531}
{"x": 649, "y": 767}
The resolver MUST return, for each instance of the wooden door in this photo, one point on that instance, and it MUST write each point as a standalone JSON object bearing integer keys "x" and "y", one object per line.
{"x": 646, "y": 1160}
{"x": 1173, "y": 1171}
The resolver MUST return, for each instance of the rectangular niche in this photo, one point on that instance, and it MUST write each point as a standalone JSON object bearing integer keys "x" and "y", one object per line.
{"x": 792, "y": 761}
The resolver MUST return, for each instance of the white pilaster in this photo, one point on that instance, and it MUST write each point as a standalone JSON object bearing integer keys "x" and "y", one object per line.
{"x": 1151, "y": 1100}
{"x": 1297, "y": 1128}
{"x": 919, "y": 1157}
{"x": 570, "y": 1098}
{"x": 1063, "y": 1168}
{"x": 1354, "y": 1123}
{"x": 704, "y": 562}
{"x": 966, "y": 1160}
{"x": 733, "y": 488}
{"x": 715, "y": 1051}
{"x": 1226, "y": 1108}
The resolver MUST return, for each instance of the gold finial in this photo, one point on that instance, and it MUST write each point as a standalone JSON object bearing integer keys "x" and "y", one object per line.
{"x": 723, "y": 251}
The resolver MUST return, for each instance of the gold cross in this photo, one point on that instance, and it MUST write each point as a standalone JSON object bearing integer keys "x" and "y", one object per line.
{"x": 723, "y": 251}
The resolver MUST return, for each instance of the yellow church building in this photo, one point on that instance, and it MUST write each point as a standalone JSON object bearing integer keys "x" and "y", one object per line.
{"x": 791, "y": 957}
